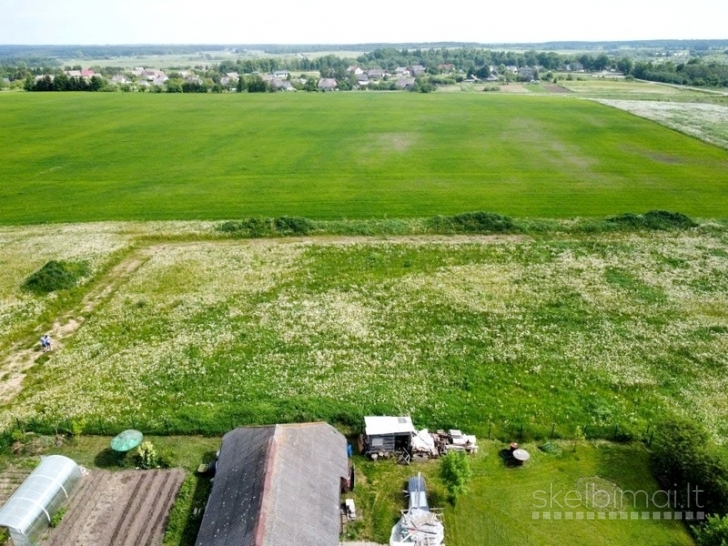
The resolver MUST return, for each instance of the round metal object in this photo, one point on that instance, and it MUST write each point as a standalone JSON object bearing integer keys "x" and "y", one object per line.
{"x": 126, "y": 441}
{"x": 521, "y": 455}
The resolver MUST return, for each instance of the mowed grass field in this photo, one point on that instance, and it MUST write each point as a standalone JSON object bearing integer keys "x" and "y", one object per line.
{"x": 500, "y": 506}
{"x": 89, "y": 157}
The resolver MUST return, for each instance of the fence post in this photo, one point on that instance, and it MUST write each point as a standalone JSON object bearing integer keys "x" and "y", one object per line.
{"x": 553, "y": 426}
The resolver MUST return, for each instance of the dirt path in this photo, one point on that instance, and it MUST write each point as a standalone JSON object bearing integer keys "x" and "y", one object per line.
{"x": 23, "y": 354}
{"x": 551, "y": 88}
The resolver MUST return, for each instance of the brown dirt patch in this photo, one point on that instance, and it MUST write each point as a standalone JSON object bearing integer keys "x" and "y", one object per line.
{"x": 10, "y": 479}
{"x": 129, "y": 508}
{"x": 514, "y": 88}
{"x": 664, "y": 158}
{"x": 552, "y": 88}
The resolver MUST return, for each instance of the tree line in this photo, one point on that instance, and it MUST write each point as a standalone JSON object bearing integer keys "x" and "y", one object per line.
{"x": 63, "y": 82}
{"x": 694, "y": 72}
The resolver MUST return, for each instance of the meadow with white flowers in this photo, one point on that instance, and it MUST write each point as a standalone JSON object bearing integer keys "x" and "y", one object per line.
{"x": 25, "y": 249}
{"x": 509, "y": 333}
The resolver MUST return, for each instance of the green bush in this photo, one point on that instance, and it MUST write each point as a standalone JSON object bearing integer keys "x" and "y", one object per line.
{"x": 293, "y": 225}
{"x": 249, "y": 227}
{"x": 456, "y": 473}
{"x": 146, "y": 456}
{"x": 472, "y": 222}
{"x": 268, "y": 227}
{"x": 684, "y": 457}
{"x": 57, "y": 517}
{"x": 56, "y": 275}
{"x": 714, "y": 532}
{"x": 654, "y": 219}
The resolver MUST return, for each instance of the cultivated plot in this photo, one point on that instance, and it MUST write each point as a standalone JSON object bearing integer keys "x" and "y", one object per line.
{"x": 90, "y": 157}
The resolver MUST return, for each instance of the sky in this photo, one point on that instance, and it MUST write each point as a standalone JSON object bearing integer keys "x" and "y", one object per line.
{"x": 354, "y": 21}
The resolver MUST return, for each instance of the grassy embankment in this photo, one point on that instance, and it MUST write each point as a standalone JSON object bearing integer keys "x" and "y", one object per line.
{"x": 87, "y": 157}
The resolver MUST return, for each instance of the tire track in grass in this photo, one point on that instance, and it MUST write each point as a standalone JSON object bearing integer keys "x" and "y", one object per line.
{"x": 24, "y": 354}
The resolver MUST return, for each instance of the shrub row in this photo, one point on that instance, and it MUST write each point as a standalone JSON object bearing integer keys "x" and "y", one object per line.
{"x": 466, "y": 223}
{"x": 654, "y": 219}
{"x": 684, "y": 458}
{"x": 298, "y": 412}
{"x": 472, "y": 222}
{"x": 268, "y": 227}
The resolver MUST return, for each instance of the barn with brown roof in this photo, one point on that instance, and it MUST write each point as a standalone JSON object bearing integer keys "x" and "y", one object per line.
{"x": 277, "y": 486}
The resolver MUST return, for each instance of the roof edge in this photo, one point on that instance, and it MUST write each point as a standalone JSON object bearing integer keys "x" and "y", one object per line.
{"x": 260, "y": 524}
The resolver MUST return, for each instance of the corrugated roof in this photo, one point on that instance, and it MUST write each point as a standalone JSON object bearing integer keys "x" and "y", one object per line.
{"x": 376, "y": 426}
{"x": 417, "y": 493}
{"x": 276, "y": 486}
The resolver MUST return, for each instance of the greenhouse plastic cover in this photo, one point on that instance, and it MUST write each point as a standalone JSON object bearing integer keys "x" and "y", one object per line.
{"x": 41, "y": 494}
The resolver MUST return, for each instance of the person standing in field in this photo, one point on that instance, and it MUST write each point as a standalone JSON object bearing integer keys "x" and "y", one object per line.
{"x": 43, "y": 343}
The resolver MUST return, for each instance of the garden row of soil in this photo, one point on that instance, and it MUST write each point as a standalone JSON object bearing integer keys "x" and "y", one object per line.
{"x": 128, "y": 508}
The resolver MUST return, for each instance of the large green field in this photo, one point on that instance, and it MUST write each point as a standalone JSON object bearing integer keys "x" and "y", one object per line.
{"x": 88, "y": 157}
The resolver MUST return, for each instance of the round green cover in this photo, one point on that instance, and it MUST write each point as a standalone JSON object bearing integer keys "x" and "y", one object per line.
{"x": 129, "y": 439}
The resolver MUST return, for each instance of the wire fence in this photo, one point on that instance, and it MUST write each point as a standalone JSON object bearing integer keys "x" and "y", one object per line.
{"x": 353, "y": 425}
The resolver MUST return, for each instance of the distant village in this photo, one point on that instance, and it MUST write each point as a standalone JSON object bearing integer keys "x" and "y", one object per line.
{"x": 382, "y": 69}
{"x": 201, "y": 80}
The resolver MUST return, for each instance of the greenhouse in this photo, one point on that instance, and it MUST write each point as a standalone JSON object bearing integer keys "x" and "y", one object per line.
{"x": 28, "y": 512}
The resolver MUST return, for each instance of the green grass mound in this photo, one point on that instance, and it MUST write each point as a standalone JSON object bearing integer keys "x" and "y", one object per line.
{"x": 56, "y": 275}
{"x": 473, "y": 222}
{"x": 268, "y": 227}
{"x": 283, "y": 226}
{"x": 654, "y": 219}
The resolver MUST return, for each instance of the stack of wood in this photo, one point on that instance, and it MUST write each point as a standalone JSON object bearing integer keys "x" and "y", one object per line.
{"x": 455, "y": 440}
